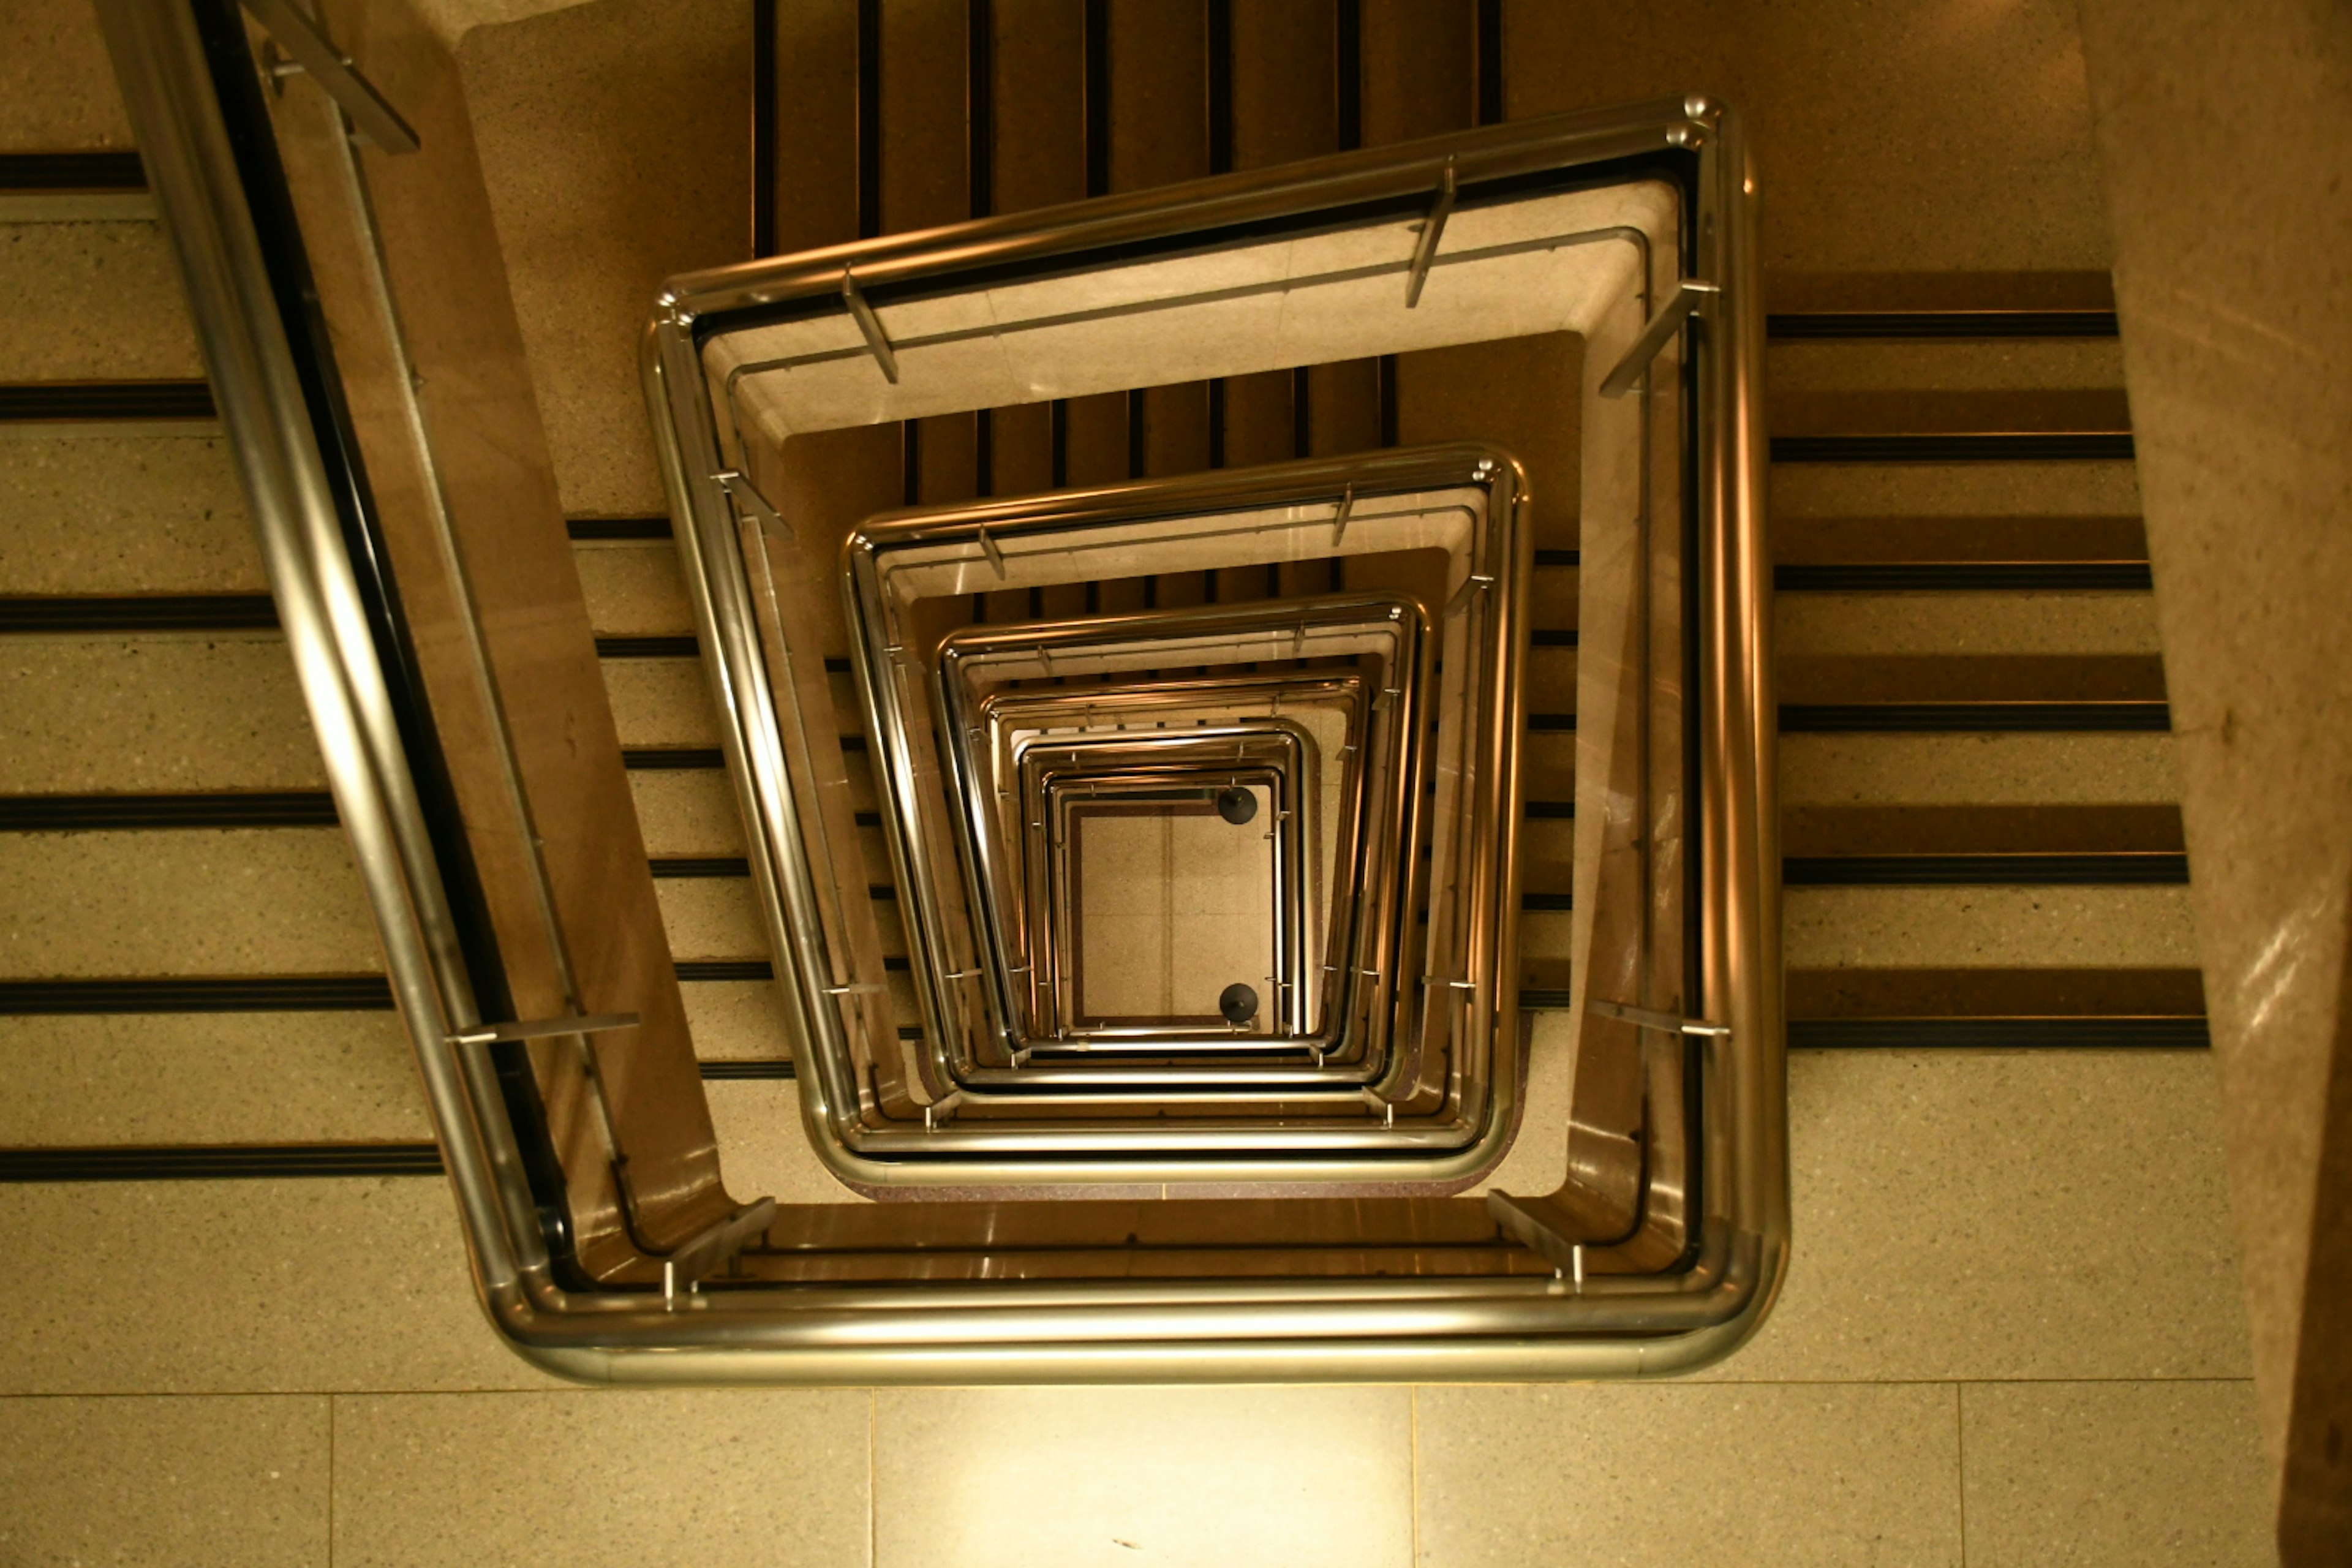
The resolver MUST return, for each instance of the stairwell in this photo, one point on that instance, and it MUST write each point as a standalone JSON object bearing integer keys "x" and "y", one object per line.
{"x": 2013, "y": 1323}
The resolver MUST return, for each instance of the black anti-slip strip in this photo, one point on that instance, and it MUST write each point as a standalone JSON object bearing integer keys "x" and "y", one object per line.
{"x": 1974, "y": 447}
{"x": 2126, "y": 870}
{"x": 617, "y": 527}
{"x": 1540, "y": 639}
{"x": 86, "y": 401}
{"x": 647, "y": 648}
{"x": 869, "y": 118}
{"x": 1794, "y": 325}
{"x": 1551, "y": 723}
{"x": 71, "y": 171}
{"x": 1964, "y": 576}
{"x": 1095, "y": 102}
{"x": 1546, "y": 902}
{"x": 217, "y": 1162}
{"x": 94, "y": 613}
{"x": 690, "y": 971}
{"x": 1551, "y": 810}
{"x": 723, "y": 1072}
{"x": 260, "y": 994}
{"x": 1954, "y": 717}
{"x": 1533, "y": 999}
{"x": 1559, "y": 557}
{"x": 1490, "y": 62}
{"x": 2000, "y": 1033}
{"x": 85, "y": 813}
{"x": 226, "y": 993}
{"x": 670, "y": 759}
{"x": 684, "y": 866}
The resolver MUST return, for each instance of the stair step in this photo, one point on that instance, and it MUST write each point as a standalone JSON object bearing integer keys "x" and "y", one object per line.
{"x": 88, "y": 515}
{"x": 1930, "y": 540}
{"x": 163, "y": 713}
{"x": 89, "y": 301}
{"x": 1816, "y": 325}
{"x": 2121, "y": 1034}
{"x": 1920, "y": 718}
{"x": 1964, "y": 576}
{"x": 1961, "y": 768}
{"x": 1992, "y": 928}
{"x": 1945, "y": 447}
{"x": 1985, "y": 870}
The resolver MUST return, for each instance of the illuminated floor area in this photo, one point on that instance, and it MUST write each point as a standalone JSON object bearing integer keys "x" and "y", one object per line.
{"x": 2012, "y": 1331}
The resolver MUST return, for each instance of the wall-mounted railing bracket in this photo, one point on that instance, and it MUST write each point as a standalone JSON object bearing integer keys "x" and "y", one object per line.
{"x": 1689, "y": 295}
{"x": 1433, "y": 229}
{"x": 746, "y": 495}
{"x": 1664, "y": 1023}
{"x": 869, "y": 324}
{"x": 544, "y": 1028}
{"x": 308, "y": 49}
{"x": 705, "y": 1254}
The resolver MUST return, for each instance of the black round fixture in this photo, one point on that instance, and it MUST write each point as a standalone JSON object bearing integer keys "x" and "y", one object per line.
{"x": 1237, "y": 1002}
{"x": 1237, "y": 805}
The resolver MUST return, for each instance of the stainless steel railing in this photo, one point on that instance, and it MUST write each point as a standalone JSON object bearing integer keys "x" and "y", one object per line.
{"x": 1502, "y": 1318}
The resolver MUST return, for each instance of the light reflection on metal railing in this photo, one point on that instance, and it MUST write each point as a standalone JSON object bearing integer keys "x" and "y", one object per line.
{"x": 1481, "y": 1325}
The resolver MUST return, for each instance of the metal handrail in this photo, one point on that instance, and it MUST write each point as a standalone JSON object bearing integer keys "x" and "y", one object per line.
{"x": 1109, "y": 1330}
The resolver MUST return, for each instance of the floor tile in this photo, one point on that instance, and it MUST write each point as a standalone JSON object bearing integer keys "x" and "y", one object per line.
{"x": 1819, "y": 1476}
{"x": 1220, "y": 1478}
{"x": 164, "y": 1483}
{"x": 2114, "y": 1475}
{"x": 242, "y": 1287}
{"x": 720, "y": 1479}
{"x": 2004, "y": 1214}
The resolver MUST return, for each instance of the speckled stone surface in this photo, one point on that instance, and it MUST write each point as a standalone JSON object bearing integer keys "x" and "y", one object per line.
{"x": 775, "y": 1477}
{"x": 1954, "y": 490}
{"x": 612, "y": 138}
{"x": 95, "y": 515}
{"x": 1961, "y": 927}
{"x": 1976, "y": 769}
{"x": 267, "y": 901}
{"x": 762, "y": 1151}
{"x": 241, "y": 1483}
{"x": 711, "y": 917}
{"x": 1648, "y": 1475}
{"x": 1877, "y": 364}
{"x": 661, "y": 702}
{"x": 1929, "y": 139}
{"x": 1205, "y": 1478}
{"x": 634, "y": 589}
{"x": 256, "y": 1303}
{"x": 210, "y": 1077}
{"x": 59, "y": 281}
{"x": 736, "y": 1019}
{"x": 2114, "y": 1475}
{"x": 56, "y": 85}
{"x": 1812, "y": 624}
{"x": 2004, "y": 1215}
{"x": 166, "y": 712}
{"x": 2220, "y": 126}
{"x": 687, "y": 812}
